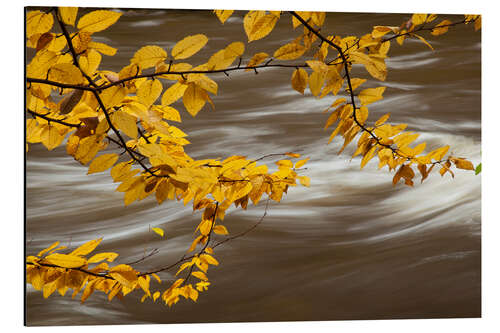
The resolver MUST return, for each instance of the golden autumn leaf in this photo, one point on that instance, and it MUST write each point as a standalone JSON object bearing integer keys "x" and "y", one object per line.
{"x": 223, "y": 15}
{"x": 52, "y": 246}
{"x": 90, "y": 62}
{"x": 209, "y": 259}
{"x": 86, "y": 248}
{"x": 220, "y": 230}
{"x": 289, "y": 51}
{"x": 38, "y": 22}
{"x": 441, "y": 28}
{"x": 65, "y": 73}
{"x": 68, "y": 15}
{"x": 66, "y": 260}
{"x": 225, "y": 57}
{"x": 371, "y": 95}
{"x": 374, "y": 65}
{"x": 149, "y": 56}
{"x": 149, "y": 91}
{"x": 316, "y": 80}
{"x": 301, "y": 163}
{"x": 125, "y": 276}
{"x": 304, "y": 181}
{"x": 102, "y": 163}
{"x": 424, "y": 41}
{"x": 299, "y": 80}
{"x": 200, "y": 275}
{"x": 126, "y": 123}
{"x": 462, "y": 163}
{"x": 189, "y": 46}
{"x": 258, "y": 24}
{"x": 102, "y": 48}
{"x": 418, "y": 19}
{"x": 173, "y": 93}
{"x": 194, "y": 99}
{"x": 108, "y": 256}
{"x": 256, "y": 60}
{"x": 159, "y": 231}
{"x": 113, "y": 96}
{"x": 380, "y": 31}
{"x": 51, "y": 137}
{"x": 97, "y": 20}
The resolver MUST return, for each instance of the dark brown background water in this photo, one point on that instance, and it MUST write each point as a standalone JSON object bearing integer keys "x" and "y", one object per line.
{"x": 351, "y": 246}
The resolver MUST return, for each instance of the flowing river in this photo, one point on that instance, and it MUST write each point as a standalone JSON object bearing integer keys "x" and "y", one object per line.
{"x": 351, "y": 246}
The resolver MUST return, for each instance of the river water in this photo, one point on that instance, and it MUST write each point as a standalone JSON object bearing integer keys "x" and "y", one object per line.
{"x": 351, "y": 246}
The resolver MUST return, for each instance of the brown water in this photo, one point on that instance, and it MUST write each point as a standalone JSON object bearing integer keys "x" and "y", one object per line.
{"x": 351, "y": 246}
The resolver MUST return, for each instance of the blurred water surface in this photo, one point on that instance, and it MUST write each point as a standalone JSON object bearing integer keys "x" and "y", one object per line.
{"x": 351, "y": 246}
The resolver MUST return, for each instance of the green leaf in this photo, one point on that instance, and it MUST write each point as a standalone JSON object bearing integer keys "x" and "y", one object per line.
{"x": 478, "y": 169}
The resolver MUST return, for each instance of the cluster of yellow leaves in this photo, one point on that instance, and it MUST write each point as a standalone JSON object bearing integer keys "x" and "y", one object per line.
{"x": 51, "y": 271}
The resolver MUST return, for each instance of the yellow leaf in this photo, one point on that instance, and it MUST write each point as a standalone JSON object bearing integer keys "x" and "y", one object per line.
{"x": 379, "y": 31}
{"x": 204, "y": 82}
{"x": 144, "y": 284}
{"x": 375, "y": 66}
{"x": 102, "y": 163}
{"x": 256, "y": 60}
{"x": 368, "y": 156}
{"x": 173, "y": 93}
{"x": 316, "y": 81}
{"x": 86, "y": 248}
{"x": 317, "y": 66}
{"x": 258, "y": 26}
{"x": 189, "y": 46}
{"x": 51, "y": 138}
{"x": 299, "y": 80}
{"x": 126, "y": 123}
{"x": 156, "y": 277}
{"x": 108, "y": 256}
{"x": 209, "y": 259}
{"x": 102, "y": 48}
{"x": 194, "y": 99}
{"x": 424, "y": 41}
{"x": 301, "y": 163}
{"x": 441, "y": 28}
{"x": 223, "y": 15}
{"x": 305, "y": 181}
{"x": 418, "y": 19}
{"x": 371, "y": 95}
{"x": 149, "y": 91}
{"x": 223, "y": 58}
{"x": 168, "y": 112}
{"x": 113, "y": 96}
{"x": 355, "y": 83}
{"x": 382, "y": 119}
{"x": 124, "y": 276}
{"x": 156, "y": 295}
{"x": 463, "y": 164}
{"x": 68, "y": 14}
{"x": 38, "y": 22}
{"x": 200, "y": 275}
{"x": 90, "y": 62}
{"x": 289, "y": 51}
{"x": 220, "y": 230}
{"x": 149, "y": 56}
{"x": 66, "y": 260}
{"x": 159, "y": 231}
{"x": 65, "y": 73}
{"x": 293, "y": 155}
{"x": 98, "y": 20}
{"x": 184, "y": 266}
{"x": 53, "y": 246}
